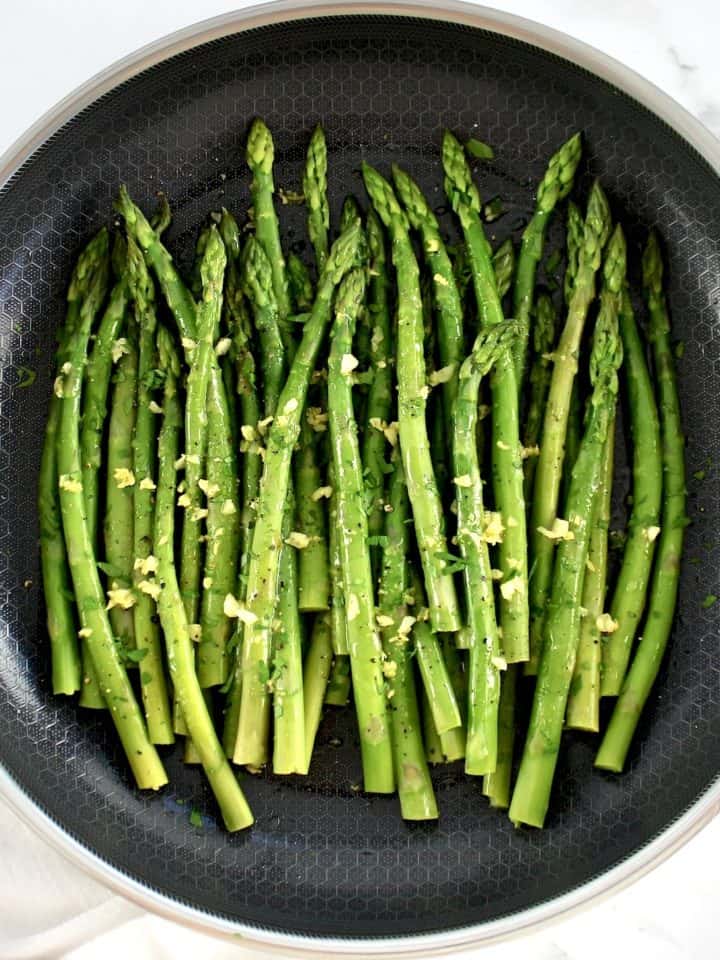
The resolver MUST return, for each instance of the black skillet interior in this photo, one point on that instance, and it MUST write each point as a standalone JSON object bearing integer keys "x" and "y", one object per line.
{"x": 322, "y": 858}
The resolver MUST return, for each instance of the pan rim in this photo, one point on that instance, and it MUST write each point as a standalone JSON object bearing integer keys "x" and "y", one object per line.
{"x": 600, "y": 65}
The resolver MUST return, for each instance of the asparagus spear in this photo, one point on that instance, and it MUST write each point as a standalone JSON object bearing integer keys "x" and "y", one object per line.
{"x": 223, "y": 537}
{"x": 338, "y": 619}
{"x": 417, "y": 799}
{"x": 257, "y": 284}
{"x": 289, "y": 753}
{"x": 433, "y": 670}
{"x": 91, "y": 277}
{"x": 379, "y": 401}
{"x": 251, "y": 743}
{"x": 313, "y": 566}
{"x": 338, "y": 688}
{"x": 504, "y": 267}
{"x": 575, "y": 229}
{"x": 548, "y": 472}
{"x": 484, "y": 681}
{"x": 97, "y": 382}
{"x": 412, "y": 398}
{"x": 147, "y": 634}
{"x": 453, "y": 741}
{"x": 178, "y": 297}
{"x": 299, "y": 284}
{"x": 316, "y": 201}
{"x": 445, "y": 292}
{"x": 316, "y": 672}
{"x": 196, "y": 284}
{"x": 201, "y": 353}
{"x": 531, "y": 795}
{"x": 496, "y": 785}
{"x": 630, "y": 593}
{"x": 181, "y": 657}
{"x": 554, "y": 186}
{"x": 664, "y": 589}
{"x": 363, "y": 639}
{"x": 119, "y": 483}
{"x": 66, "y": 668}
{"x": 260, "y": 154}
{"x": 238, "y": 323}
{"x": 507, "y": 470}
{"x": 539, "y": 380}
{"x": 583, "y": 709}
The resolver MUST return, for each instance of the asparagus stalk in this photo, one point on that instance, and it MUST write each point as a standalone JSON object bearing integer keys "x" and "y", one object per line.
{"x": 583, "y": 709}
{"x": 363, "y": 639}
{"x": 67, "y": 676}
{"x": 313, "y": 564}
{"x": 484, "y": 680}
{"x": 251, "y": 742}
{"x": 575, "y": 229}
{"x": 178, "y": 297}
{"x": 220, "y": 490}
{"x": 379, "y": 400}
{"x": 338, "y": 618}
{"x": 119, "y": 484}
{"x": 316, "y": 201}
{"x": 548, "y": 473}
{"x": 664, "y": 589}
{"x": 417, "y": 799}
{"x": 504, "y": 267}
{"x": 448, "y": 305}
{"x": 299, "y": 284}
{"x": 539, "y": 380}
{"x": 147, "y": 634}
{"x": 181, "y": 657}
{"x": 433, "y": 670}
{"x": 97, "y": 382}
{"x": 250, "y": 413}
{"x": 496, "y": 785}
{"x": 201, "y": 354}
{"x": 289, "y": 753}
{"x": 628, "y": 601}
{"x": 257, "y": 284}
{"x": 91, "y": 275}
{"x": 260, "y": 154}
{"x": 453, "y": 741}
{"x": 338, "y": 688}
{"x": 316, "y": 672}
{"x": 507, "y": 469}
{"x": 554, "y": 186}
{"x": 412, "y": 399}
{"x": 531, "y": 795}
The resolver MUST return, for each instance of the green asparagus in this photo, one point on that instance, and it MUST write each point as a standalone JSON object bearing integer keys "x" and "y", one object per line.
{"x": 507, "y": 468}
{"x": 412, "y": 398}
{"x": 548, "y": 473}
{"x": 666, "y": 574}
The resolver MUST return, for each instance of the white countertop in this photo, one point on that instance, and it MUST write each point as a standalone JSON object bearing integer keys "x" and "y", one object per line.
{"x": 50, "y": 909}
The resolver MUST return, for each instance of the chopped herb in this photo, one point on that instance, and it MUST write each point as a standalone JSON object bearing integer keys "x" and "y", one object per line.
{"x": 135, "y": 656}
{"x": 479, "y": 150}
{"x": 196, "y": 819}
{"x": 263, "y": 672}
{"x": 26, "y": 377}
{"x": 709, "y": 601}
{"x": 453, "y": 564}
{"x": 110, "y": 570}
{"x": 680, "y": 349}
{"x": 699, "y": 474}
{"x": 146, "y": 677}
{"x": 493, "y": 209}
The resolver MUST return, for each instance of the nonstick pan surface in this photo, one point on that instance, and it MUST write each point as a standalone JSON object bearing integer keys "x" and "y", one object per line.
{"x": 322, "y": 859}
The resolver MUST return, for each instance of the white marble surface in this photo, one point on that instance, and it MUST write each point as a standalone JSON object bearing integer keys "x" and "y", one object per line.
{"x": 48, "y": 908}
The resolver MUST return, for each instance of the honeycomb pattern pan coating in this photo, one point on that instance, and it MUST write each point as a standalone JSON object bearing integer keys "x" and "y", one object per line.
{"x": 323, "y": 860}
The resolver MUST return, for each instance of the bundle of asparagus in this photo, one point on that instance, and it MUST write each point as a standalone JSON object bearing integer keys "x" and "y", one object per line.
{"x": 287, "y": 488}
